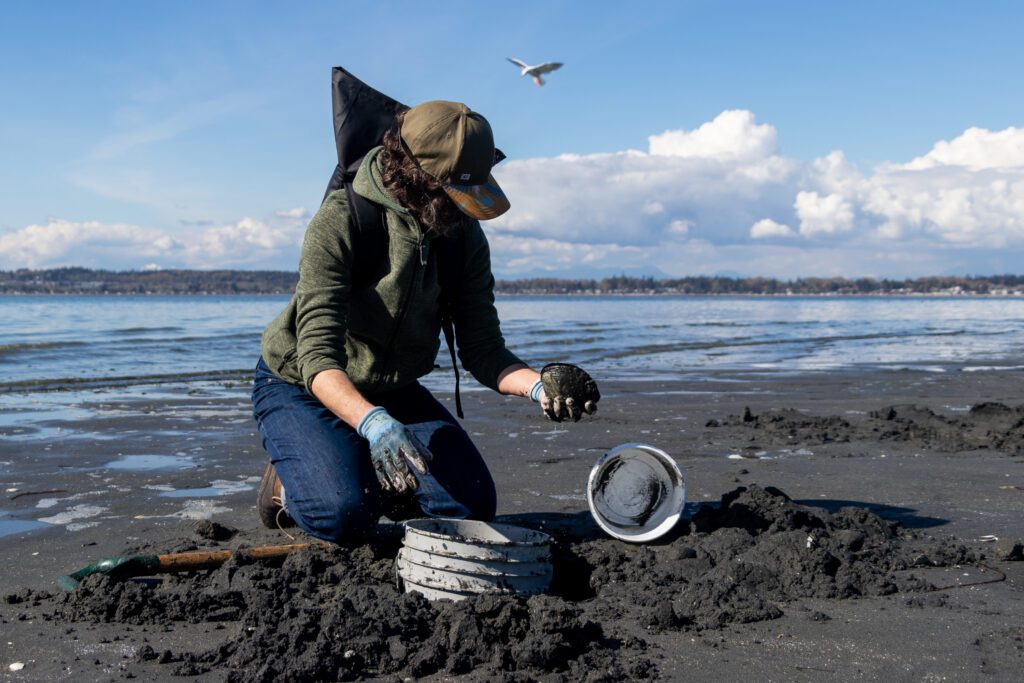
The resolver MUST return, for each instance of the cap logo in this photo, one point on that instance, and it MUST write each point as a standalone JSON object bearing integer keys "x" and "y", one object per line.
{"x": 465, "y": 176}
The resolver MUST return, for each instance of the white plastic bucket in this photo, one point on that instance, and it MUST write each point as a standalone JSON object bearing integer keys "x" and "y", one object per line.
{"x": 482, "y": 567}
{"x": 636, "y": 492}
{"x": 454, "y": 559}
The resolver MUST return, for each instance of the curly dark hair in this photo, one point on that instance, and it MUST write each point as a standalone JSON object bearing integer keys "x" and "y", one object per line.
{"x": 414, "y": 188}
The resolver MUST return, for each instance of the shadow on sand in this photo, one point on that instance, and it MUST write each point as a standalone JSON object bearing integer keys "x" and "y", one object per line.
{"x": 907, "y": 517}
{"x": 578, "y": 526}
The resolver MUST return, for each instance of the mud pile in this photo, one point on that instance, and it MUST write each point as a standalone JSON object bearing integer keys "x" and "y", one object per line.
{"x": 335, "y": 614}
{"x": 789, "y": 426}
{"x": 742, "y": 560}
{"x": 985, "y": 426}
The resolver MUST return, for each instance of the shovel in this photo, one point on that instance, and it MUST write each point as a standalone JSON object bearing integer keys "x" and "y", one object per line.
{"x": 127, "y": 566}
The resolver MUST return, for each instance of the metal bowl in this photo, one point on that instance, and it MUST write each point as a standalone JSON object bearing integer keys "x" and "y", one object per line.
{"x": 636, "y": 492}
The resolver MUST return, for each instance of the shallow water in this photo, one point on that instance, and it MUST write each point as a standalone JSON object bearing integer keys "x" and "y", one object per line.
{"x": 220, "y": 487}
{"x": 185, "y": 356}
{"x": 147, "y": 463}
{"x": 10, "y": 527}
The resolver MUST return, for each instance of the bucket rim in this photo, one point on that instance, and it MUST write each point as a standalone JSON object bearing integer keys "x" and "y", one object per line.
{"x": 678, "y": 484}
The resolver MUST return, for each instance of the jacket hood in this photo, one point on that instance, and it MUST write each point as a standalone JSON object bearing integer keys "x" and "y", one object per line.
{"x": 370, "y": 183}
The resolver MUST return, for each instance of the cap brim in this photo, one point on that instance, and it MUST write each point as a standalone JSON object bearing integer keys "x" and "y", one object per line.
{"x": 481, "y": 202}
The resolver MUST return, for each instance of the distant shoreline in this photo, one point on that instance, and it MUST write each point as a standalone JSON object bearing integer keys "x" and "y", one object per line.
{"x": 85, "y": 281}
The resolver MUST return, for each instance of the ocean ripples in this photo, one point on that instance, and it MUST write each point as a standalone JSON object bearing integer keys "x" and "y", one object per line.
{"x": 105, "y": 341}
{"x": 146, "y": 330}
{"x": 32, "y": 347}
{"x": 119, "y": 381}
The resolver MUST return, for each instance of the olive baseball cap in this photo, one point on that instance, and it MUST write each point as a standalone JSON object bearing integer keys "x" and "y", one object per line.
{"x": 455, "y": 145}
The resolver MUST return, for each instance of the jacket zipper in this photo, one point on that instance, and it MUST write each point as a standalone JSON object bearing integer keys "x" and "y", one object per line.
{"x": 402, "y": 308}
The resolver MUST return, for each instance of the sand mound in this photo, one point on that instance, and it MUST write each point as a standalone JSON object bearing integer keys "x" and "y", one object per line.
{"x": 985, "y": 426}
{"x": 334, "y": 613}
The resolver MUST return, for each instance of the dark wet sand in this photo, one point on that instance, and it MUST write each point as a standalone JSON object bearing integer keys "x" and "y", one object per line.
{"x": 971, "y": 633}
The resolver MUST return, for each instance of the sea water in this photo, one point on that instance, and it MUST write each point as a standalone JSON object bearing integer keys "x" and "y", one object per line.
{"x": 119, "y": 340}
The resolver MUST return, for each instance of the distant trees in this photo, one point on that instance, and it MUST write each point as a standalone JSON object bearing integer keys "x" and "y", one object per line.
{"x": 710, "y": 285}
{"x": 88, "y": 281}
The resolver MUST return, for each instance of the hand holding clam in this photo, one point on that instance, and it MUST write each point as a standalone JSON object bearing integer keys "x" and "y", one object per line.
{"x": 568, "y": 392}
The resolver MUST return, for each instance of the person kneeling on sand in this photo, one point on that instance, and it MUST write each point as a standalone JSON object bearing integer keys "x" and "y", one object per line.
{"x": 350, "y": 432}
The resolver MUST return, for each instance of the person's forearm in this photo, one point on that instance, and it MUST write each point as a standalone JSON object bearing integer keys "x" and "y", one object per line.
{"x": 517, "y": 380}
{"x": 336, "y": 391}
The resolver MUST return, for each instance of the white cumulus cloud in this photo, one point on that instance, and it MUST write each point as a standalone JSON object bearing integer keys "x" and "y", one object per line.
{"x": 247, "y": 243}
{"x": 976, "y": 149}
{"x": 732, "y": 135}
{"x": 939, "y": 211}
{"x": 822, "y": 214}
{"x": 722, "y": 197}
{"x": 716, "y": 181}
{"x": 766, "y": 227}
{"x": 966, "y": 192}
{"x": 89, "y": 243}
{"x": 243, "y": 242}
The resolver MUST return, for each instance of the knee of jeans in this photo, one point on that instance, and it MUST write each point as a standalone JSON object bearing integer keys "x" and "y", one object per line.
{"x": 348, "y": 519}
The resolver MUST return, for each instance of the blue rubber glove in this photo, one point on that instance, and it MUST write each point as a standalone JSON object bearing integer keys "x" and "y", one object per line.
{"x": 392, "y": 451}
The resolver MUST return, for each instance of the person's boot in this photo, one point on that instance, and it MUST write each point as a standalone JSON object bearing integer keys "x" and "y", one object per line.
{"x": 270, "y": 501}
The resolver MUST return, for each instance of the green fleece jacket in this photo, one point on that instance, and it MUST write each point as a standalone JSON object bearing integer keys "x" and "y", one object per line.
{"x": 384, "y": 334}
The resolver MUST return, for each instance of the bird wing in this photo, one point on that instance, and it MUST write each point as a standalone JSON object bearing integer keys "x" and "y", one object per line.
{"x": 547, "y": 67}
{"x": 518, "y": 62}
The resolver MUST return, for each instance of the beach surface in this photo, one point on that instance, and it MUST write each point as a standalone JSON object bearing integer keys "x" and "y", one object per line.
{"x": 923, "y": 584}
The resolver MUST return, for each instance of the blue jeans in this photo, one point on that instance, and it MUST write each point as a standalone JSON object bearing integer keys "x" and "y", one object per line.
{"x": 331, "y": 489}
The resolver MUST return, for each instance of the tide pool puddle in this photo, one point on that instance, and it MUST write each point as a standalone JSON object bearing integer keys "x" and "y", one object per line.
{"x": 38, "y": 420}
{"x": 127, "y": 434}
{"x": 220, "y": 487}
{"x": 33, "y": 433}
{"x": 9, "y": 527}
{"x": 142, "y": 463}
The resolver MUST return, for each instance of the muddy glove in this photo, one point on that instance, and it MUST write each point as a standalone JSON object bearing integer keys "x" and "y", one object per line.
{"x": 564, "y": 391}
{"x": 392, "y": 451}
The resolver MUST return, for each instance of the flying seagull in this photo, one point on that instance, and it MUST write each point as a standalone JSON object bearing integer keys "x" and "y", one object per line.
{"x": 535, "y": 71}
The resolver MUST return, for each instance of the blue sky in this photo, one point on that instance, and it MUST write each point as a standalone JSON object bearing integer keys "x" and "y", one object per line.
{"x": 198, "y": 133}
